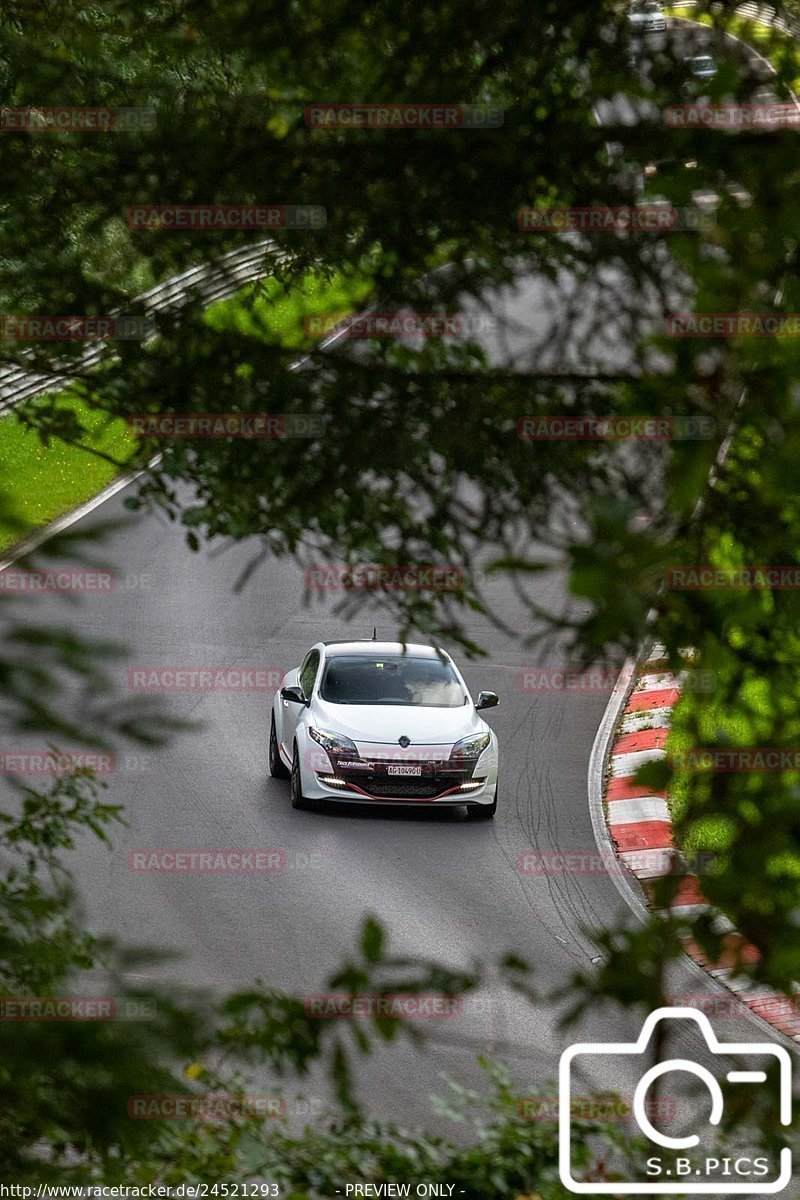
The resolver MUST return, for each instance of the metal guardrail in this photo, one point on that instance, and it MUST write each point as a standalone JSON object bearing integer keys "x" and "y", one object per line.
{"x": 765, "y": 14}
{"x": 208, "y": 282}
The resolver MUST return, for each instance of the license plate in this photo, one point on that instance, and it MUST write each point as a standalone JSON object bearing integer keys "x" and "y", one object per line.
{"x": 404, "y": 770}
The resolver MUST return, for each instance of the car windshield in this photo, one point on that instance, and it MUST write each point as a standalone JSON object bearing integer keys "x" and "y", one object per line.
{"x": 702, "y": 64}
{"x": 393, "y": 679}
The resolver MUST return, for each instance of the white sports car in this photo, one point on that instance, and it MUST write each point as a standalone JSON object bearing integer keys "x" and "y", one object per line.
{"x": 371, "y": 722}
{"x": 646, "y": 16}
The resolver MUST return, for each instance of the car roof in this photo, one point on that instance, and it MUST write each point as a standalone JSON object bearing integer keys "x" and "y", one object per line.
{"x": 367, "y": 647}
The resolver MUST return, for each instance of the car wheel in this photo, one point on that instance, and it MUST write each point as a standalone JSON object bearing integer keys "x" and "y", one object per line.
{"x": 276, "y": 768}
{"x": 482, "y": 812}
{"x": 295, "y": 782}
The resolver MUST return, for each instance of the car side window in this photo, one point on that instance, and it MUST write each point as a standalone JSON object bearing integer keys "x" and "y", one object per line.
{"x": 308, "y": 672}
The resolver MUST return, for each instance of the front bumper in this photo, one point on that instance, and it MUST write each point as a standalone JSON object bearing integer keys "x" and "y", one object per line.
{"x": 384, "y": 781}
{"x": 652, "y": 25}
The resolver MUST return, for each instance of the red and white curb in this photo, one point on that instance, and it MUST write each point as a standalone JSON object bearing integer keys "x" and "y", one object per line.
{"x": 639, "y": 823}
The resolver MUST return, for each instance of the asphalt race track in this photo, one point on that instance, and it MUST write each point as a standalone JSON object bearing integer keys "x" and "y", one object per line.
{"x": 445, "y": 887}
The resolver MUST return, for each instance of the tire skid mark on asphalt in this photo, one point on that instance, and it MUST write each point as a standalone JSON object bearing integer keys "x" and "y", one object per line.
{"x": 573, "y": 899}
{"x": 527, "y": 781}
{"x": 547, "y": 810}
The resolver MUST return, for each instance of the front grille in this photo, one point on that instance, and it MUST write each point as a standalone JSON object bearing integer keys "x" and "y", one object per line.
{"x": 411, "y": 789}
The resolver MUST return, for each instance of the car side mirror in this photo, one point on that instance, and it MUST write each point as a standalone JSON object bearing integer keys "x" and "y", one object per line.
{"x": 295, "y": 694}
{"x": 487, "y": 700}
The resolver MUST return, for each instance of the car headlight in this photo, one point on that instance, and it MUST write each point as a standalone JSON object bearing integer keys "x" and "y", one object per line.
{"x": 472, "y": 746}
{"x": 334, "y": 743}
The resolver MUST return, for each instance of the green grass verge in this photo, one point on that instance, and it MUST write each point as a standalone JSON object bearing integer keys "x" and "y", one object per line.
{"x": 705, "y": 833}
{"x": 272, "y": 311}
{"x": 41, "y": 482}
{"x": 697, "y": 722}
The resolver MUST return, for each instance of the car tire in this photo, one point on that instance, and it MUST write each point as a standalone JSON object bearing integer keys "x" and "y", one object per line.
{"x": 482, "y": 812}
{"x": 276, "y": 768}
{"x": 295, "y": 782}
